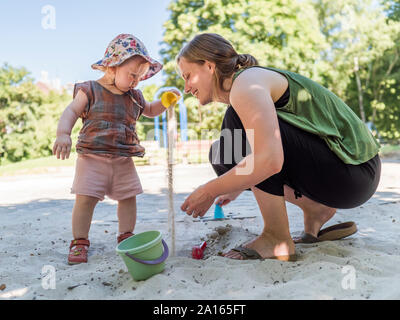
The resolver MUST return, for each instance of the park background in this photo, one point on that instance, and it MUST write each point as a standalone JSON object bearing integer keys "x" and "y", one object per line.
{"x": 351, "y": 47}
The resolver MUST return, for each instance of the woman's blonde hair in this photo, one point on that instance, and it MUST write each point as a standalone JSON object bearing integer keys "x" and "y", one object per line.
{"x": 214, "y": 48}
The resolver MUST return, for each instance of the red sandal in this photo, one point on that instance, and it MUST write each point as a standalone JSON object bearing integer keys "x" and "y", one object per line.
{"x": 124, "y": 236}
{"x": 78, "y": 250}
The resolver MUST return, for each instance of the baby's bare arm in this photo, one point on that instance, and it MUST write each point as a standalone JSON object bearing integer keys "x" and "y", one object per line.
{"x": 62, "y": 145}
{"x": 153, "y": 109}
{"x": 72, "y": 113}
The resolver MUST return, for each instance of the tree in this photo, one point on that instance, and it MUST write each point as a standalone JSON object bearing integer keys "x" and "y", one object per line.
{"x": 393, "y": 9}
{"x": 19, "y": 101}
{"x": 359, "y": 33}
{"x": 280, "y": 33}
{"x": 380, "y": 81}
{"x": 28, "y": 118}
{"x": 349, "y": 46}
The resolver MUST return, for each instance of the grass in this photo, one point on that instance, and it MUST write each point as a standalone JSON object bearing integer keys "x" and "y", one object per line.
{"x": 39, "y": 165}
{"x": 390, "y": 150}
{"x": 44, "y": 165}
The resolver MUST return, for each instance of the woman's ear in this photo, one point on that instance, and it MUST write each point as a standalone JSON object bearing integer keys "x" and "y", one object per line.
{"x": 210, "y": 66}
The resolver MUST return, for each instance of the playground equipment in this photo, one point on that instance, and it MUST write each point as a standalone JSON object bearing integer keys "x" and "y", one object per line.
{"x": 169, "y": 100}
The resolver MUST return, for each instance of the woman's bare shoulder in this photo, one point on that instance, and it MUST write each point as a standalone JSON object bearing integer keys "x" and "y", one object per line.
{"x": 260, "y": 73}
{"x": 273, "y": 82}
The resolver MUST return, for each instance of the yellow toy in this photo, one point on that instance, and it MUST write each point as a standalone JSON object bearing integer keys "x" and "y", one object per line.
{"x": 168, "y": 98}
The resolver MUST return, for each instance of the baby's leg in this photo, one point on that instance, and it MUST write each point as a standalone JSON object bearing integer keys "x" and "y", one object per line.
{"x": 127, "y": 215}
{"x": 82, "y": 214}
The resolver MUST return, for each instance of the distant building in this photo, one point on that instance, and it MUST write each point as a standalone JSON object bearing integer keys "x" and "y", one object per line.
{"x": 43, "y": 87}
{"x": 46, "y": 85}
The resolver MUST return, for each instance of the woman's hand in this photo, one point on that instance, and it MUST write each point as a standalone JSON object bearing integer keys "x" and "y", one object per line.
{"x": 227, "y": 198}
{"x": 198, "y": 202}
{"x": 62, "y": 146}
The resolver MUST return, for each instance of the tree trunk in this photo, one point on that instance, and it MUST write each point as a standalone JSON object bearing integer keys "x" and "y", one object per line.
{"x": 360, "y": 93}
{"x": 378, "y": 93}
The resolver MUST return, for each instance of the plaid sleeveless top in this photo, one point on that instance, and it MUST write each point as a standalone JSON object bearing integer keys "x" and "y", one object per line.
{"x": 109, "y": 121}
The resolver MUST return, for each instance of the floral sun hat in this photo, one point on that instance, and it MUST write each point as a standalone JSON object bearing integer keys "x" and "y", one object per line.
{"x": 123, "y": 47}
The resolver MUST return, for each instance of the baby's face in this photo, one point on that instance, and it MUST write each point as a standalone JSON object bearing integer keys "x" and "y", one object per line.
{"x": 128, "y": 75}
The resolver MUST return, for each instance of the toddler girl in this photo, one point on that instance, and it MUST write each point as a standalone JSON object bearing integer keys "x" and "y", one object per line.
{"x": 109, "y": 108}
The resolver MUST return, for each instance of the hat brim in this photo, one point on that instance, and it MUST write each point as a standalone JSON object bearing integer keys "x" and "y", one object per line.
{"x": 154, "y": 68}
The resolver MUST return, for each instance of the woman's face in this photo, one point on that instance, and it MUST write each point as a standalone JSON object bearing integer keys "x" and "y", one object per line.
{"x": 198, "y": 79}
{"x": 128, "y": 75}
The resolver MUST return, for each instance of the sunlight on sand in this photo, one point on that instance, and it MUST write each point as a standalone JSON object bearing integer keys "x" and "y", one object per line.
{"x": 14, "y": 293}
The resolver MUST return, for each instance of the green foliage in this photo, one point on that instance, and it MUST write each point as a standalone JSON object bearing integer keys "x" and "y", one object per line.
{"x": 145, "y": 124}
{"x": 380, "y": 76}
{"x": 282, "y": 33}
{"x": 350, "y": 46}
{"x": 393, "y": 9}
{"x": 360, "y": 35}
{"x": 346, "y": 45}
{"x": 28, "y": 118}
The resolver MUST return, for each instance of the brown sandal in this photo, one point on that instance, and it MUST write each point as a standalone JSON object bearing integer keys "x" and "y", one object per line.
{"x": 78, "y": 250}
{"x": 251, "y": 254}
{"x": 335, "y": 232}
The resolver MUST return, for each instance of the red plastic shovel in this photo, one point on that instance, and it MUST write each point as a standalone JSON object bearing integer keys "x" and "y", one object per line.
{"x": 198, "y": 251}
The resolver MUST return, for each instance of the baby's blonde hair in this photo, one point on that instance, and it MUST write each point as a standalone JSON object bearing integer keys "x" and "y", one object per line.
{"x": 106, "y": 69}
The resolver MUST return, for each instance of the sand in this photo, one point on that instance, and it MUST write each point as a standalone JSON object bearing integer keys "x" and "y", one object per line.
{"x": 35, "y": 232}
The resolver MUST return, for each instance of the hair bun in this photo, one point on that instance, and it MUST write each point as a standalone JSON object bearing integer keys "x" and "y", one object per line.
{"x": 242, "y": 58}
{"x": 245, "y": 60}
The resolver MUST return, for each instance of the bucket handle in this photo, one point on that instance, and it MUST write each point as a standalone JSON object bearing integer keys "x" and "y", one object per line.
{"x": 161, "y": 259}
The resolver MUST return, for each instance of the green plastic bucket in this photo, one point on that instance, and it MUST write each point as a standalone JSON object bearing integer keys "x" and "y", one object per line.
{"x": 144, "y": 254}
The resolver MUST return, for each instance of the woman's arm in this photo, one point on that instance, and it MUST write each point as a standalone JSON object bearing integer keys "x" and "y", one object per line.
{"x": 251, "y": 98}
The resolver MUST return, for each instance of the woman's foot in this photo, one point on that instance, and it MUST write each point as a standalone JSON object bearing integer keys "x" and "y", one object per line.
{"x": 314, "y": 219}
{"x": 267, "y": 246}
{"x": 315, "y": 214}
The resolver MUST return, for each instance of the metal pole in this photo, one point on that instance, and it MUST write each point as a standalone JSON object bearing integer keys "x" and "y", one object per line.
{"x": 171, "y": 141}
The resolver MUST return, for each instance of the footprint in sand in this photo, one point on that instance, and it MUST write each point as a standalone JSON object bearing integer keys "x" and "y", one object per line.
{"x": 223, "y": 238}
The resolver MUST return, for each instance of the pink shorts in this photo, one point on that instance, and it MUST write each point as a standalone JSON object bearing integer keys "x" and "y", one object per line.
{"x": 100, "y": 175}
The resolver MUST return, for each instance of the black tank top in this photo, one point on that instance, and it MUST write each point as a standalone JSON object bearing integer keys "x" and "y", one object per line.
{"x": 283, "y": 100}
